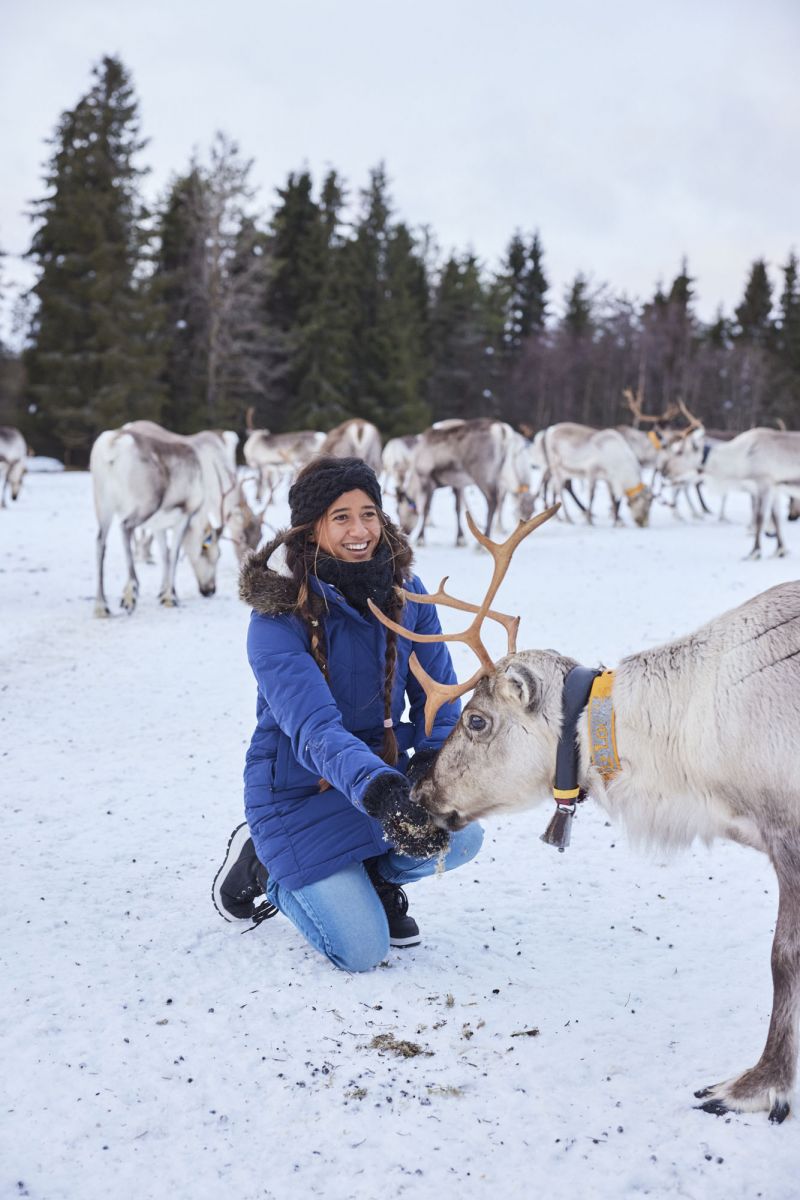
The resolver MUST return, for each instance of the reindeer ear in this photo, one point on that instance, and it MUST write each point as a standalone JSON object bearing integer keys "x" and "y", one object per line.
{"x": 523, "y": 686}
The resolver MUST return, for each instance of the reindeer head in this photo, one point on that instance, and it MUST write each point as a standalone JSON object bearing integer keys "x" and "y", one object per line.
{"x": 407, "y": 512}
{"x": 639, "y": 501}
{"x": 244, "y": 526}
{"x": 202, "y": 548}
{"x": 484, "y": 766}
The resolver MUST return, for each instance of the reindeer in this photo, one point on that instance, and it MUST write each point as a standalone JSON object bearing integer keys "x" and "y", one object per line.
{"x": 396, "y": 460}
{"x": 575, "y": 451}
{"x": 144, "y": 479}
{"x": 695, "y": 738}
{"x": 216, "y": 451}
{"x": 652, "y": 448}
{"x": 356, "y": 438}
{"x": 273, "y": 455}
{"x": 458, "y": 453}
{"x": 13, "y": 456}
{"x": 763, "y": 462}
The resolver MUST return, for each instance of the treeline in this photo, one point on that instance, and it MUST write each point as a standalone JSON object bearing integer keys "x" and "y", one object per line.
{"x": 197, "y": 311}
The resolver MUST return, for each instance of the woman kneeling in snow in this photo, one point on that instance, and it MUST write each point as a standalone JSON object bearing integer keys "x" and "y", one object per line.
{"x": 332, "y": 834}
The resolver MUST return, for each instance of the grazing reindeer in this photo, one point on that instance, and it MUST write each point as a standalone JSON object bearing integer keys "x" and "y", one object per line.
{"x": 274, "y": 455}
{"x": 396, "y": 459}
{"x": 158, "y": 482}
{"x": 355, "y": 439}
{"x": 456, "y": 454}
{"x": 692, "y": 739}
{"x": 13, "y": 455}
{"x": 763, "y": 462}
{"x": 577, "y": 451}
{"x": 224, "y": 498}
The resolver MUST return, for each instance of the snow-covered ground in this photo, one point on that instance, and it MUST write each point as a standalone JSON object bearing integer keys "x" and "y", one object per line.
{"x": 565, "y": 1007}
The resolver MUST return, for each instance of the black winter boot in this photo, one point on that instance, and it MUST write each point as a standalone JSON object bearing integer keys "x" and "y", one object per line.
{"x": 241, "y": 880}
{"x": 403, "y": 929}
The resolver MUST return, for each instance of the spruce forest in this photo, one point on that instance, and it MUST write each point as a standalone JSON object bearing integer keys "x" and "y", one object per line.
{"x": 199, "y": 309}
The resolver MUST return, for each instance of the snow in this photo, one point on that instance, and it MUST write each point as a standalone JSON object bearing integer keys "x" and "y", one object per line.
{"x": 566, "y": 1006}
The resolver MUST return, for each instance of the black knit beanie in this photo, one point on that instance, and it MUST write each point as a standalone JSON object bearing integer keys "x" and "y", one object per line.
{"x": 323, "y": 481}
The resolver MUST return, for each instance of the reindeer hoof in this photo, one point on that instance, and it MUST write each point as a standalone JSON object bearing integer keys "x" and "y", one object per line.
{"x": 167, "y": 601}
{"x": 717, "y": 1108}
{"x": 701, "y": 1095}
{"x": 779, "y": 1112}
{"x": 102, "y": 610}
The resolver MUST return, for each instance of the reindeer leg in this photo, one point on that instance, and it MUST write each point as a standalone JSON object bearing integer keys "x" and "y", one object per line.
{"x": 569, "y": 488}
{"x": 130, "y": 592}
{"x": 781, "y": 551}
{"x": 458, "y": 497}
{"x": 699, "y": 491}
{"x": 164, "y": 551}
{"x": 101, "y": 608}
{"x": 169, "y": 597}
{"x": 5, "y": 469}
{"x": 758, "y": 524}
{"x": 767, "y": 1086}
{"x": 491, "y": 503}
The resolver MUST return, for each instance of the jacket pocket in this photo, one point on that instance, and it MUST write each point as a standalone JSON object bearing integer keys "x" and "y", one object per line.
{"x": 288, "y": 771}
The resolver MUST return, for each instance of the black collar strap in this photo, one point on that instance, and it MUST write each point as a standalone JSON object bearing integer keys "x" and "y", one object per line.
{"x": 574, "y": 698}
{"x": 706, "y": 452}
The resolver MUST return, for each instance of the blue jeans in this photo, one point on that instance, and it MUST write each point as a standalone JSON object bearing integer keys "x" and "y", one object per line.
{"x": 342, "y": 917}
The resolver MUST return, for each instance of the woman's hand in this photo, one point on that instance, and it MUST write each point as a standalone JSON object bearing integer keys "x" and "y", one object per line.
{"x": 407, "y": 824}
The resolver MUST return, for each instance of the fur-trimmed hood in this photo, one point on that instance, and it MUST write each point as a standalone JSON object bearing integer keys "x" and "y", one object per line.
{"x": 272, "y": 592}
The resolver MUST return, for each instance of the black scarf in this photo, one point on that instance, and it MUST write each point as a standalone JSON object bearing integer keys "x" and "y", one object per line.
{"x": 360, "y": 581}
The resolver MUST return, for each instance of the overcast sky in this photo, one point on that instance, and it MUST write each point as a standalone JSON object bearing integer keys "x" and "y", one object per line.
{"x": 628, "y": 134}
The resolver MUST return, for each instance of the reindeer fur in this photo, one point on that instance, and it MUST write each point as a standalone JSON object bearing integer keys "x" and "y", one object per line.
{"x": 706, "y": 730}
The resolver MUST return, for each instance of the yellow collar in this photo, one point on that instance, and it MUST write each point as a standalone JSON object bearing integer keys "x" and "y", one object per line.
{"x": 602, "y": 728}
{"x": 631, "y": 493}
{"x": 655, "y": 440}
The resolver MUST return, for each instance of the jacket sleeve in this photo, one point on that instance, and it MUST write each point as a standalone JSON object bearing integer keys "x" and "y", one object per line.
{"x": 304, "y": 707}
{"x": 435, "y": 658}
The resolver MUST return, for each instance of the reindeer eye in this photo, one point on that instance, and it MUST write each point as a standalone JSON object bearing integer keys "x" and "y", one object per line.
{"x": 475, "y": 722}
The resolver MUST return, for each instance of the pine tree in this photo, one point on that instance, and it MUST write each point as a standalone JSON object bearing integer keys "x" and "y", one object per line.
{"x": 754, "y": 338}
{"x": 786, "y": 373}
{"x": 92, "y": 362}
{"x": 382, "y": 294}
{"x": 461, "y": 343}
{"x": 301, "y": 232}
{"x": 404, "y": 316}
{"x": 179, "y": 281}
{"x": 573, "y": 352}
{"x": 788, "y": 341}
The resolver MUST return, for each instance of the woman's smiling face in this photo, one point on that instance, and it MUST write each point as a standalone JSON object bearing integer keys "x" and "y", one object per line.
{"x": 351, "y": 528}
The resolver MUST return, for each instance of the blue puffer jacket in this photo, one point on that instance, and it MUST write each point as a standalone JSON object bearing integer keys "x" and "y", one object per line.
{"x": 308, "y": 729}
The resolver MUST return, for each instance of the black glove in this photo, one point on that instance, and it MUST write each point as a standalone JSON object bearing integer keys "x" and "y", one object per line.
{"x": 387, "y": 793}
{"x": 419, "y": 766}
{"x": 407, "y": 824}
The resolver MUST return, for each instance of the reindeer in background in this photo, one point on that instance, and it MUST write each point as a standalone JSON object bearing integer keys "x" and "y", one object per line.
{"x": 13, "y": 461}
{"x": 696, "y": 738}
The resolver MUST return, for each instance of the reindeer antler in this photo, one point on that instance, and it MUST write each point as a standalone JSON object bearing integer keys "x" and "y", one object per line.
{"x": 634, "y": 403}
{"x": 694, "y": 423}
{"x": 441, "y": 693}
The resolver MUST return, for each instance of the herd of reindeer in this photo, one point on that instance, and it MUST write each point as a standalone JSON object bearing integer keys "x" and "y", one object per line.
{"x": 187, "y": 491}
{"x": 706, "y": 725}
